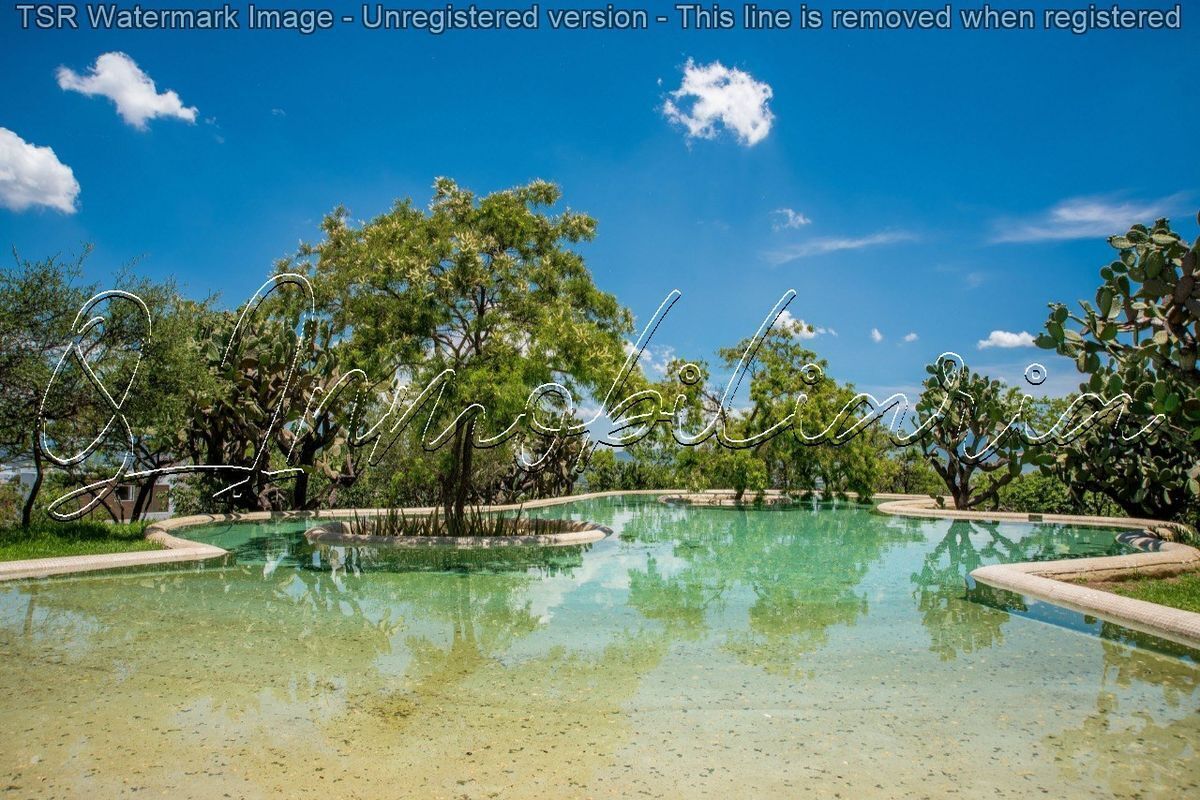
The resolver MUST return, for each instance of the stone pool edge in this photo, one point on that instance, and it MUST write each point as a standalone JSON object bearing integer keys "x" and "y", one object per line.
{"x": 1050, "y": 580}
{"x": 177, "y": 550}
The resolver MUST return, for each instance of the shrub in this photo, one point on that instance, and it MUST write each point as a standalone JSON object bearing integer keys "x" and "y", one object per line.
{"x": 1036, "y": 493}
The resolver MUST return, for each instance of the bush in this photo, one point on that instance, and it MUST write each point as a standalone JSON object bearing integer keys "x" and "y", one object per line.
{"x": 606, "y": 472}
{"x": 1035, "y": 493}
{"x": 908, "y": 472}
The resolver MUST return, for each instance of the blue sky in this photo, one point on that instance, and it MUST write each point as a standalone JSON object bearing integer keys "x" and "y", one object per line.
{"x": 942, "y": 184}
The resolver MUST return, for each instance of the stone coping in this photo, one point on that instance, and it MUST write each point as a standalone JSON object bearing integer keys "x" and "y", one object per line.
{"x": 1049, "y": 581}
{"x": 909, "y": 505}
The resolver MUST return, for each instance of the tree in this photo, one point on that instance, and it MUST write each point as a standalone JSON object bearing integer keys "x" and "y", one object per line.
{"x": 681, "y": 404}
{"x": 1140, "y": 338}
{"x": 144, "y": 339}
{"x": 38, "y": 304}
{"x": 268, "y": 405}
{"x": 907, "y": 471}
{"x": 788, "y": 380}
{"x": 172, "y": 371}
{"x": 738, "y": 470}
{"x": 488, "y": 287}
{"x": 603, "y": 474}
{"x": 961, "y": 416}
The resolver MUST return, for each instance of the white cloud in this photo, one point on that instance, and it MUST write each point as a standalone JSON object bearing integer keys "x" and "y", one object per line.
{"x": 788, "y": 218}
{"x": 1006, "y": 339}
{"x": 117, "y": 77}
{"x": 804, "y": 330}
{"x": 820, "y": 247}
{"x": 33, "y": 176}
{"x": 1083, "y": 218}
{"x": 713, "y": 96}
{"x": 911, "y": 337}
{"x": 876, "y": 336}
{"x": 654, "y": 359}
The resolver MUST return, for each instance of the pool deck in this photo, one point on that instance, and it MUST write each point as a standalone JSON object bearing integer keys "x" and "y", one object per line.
{"x": 1050, "y": 581}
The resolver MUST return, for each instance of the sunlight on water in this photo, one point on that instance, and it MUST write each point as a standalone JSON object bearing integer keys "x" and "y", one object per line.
{"x": 696, "y": 651}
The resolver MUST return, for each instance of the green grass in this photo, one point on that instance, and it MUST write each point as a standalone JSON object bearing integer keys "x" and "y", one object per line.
{"x": 45, "y": 539}
{"x": 1179, "y": 592}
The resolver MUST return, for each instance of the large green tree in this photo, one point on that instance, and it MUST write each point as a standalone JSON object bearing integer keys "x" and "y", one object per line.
{"x": 1139, "y": 338}
{"x": 490, "y": 287}
{"x": 38, "y": 304}
{"x": 144, "y": 339}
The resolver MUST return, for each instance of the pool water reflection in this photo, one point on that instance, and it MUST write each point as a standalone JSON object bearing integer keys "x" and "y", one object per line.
{"x": 694, "y": 652}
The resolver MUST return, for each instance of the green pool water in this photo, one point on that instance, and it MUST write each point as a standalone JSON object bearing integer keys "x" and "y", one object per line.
{"x": 824, "y": 652}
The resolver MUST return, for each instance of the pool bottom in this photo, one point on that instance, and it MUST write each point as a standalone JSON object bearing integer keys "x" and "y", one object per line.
{"x": 686, "y": 658}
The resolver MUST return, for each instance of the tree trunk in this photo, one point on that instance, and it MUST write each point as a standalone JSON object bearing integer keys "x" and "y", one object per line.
{"x": 27, "y": 509}
{"x": 450, "y": 479}
{"x": 145, "y": 491}
{"x": 962, "y": 498}
{"x": 300, "y": 490}
{"x": 466, "y": 458}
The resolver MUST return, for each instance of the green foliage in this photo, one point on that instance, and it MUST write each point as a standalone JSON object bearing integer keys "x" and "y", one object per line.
{"x": 967, "y": 412}
{"x": 603, "y": 473}
{"x": 492, "y": 288}
{"x": 784, "y": 371}
{"x": 906, "y": 471}
{"x": 10, "y": 503}
{"x": 1140, "y": 337}
{"x": 489, "y": 287}
{"x": 38, "y": 304}
{"x": 171, "y": 372}
{"x": 248, "y": 405}
{"x": 739, "y": 470}
{"x": 194, "y": 494}
{"x": 1039, "y": 493}
{"x": 606, "y": 472}
{"x": 657, "y": 460}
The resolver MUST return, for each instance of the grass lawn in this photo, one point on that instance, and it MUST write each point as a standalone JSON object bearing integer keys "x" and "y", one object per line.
{"x": 46, "y": 539}
{"x": 1182, "y": 591}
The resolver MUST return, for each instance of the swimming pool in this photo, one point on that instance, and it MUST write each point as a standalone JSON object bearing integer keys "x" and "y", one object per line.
{"x": 809, "y": 652}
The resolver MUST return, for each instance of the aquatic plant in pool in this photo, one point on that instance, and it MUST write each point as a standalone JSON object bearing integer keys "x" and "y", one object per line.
{"x": 809, "y": 652}
{"x": 396, "y": 522}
